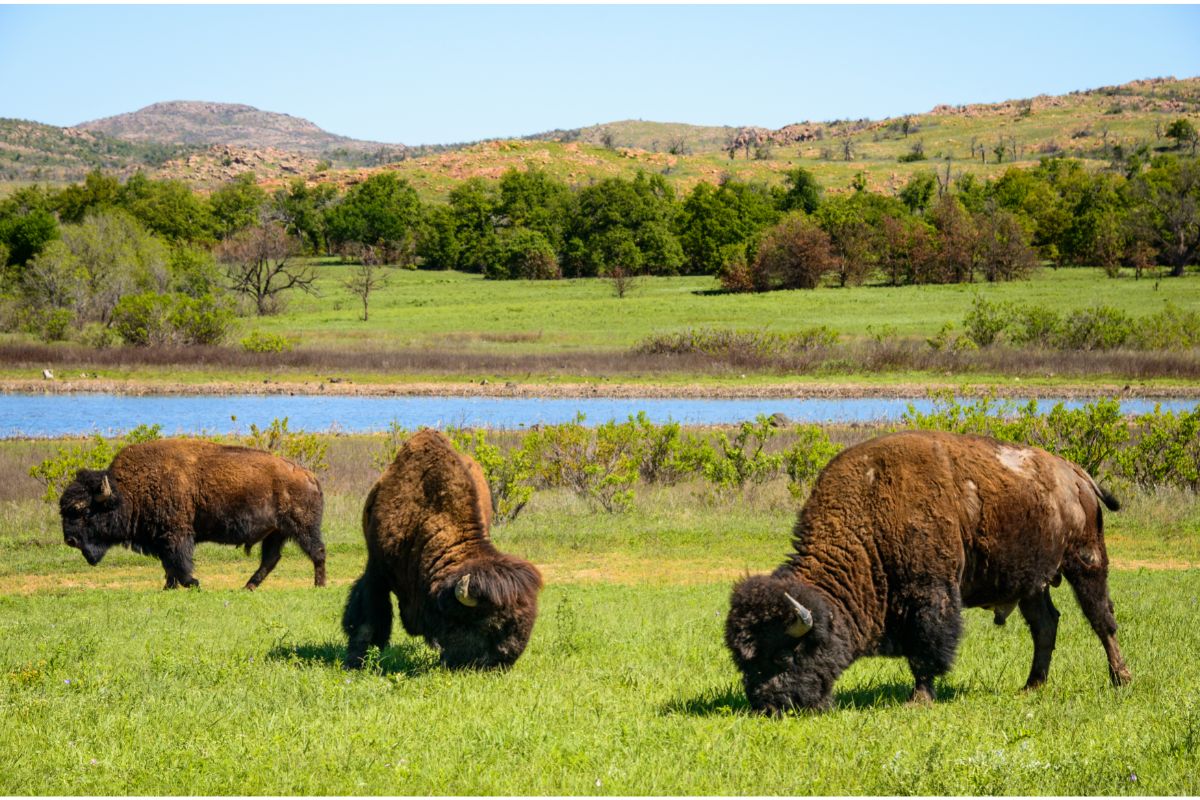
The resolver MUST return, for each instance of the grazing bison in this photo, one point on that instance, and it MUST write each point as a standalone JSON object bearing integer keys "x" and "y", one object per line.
{"x": 900, "y": 534}
{"x": 426, "y": 524}
{"x": 161, "y": 497}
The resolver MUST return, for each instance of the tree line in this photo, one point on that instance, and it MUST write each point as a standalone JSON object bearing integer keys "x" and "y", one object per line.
{"x": 80, "y": 250}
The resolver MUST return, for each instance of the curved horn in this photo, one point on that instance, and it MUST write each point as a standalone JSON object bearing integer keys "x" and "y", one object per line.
{"x": 105, "y": 488}
{"x": 462, "y": 592}
{"x": 804, "y": 618}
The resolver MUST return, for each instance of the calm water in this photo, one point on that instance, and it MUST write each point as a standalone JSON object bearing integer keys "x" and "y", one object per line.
{"x": 57, "y": 415}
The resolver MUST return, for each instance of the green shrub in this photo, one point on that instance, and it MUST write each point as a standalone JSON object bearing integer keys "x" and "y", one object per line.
{"x": 986, "y": 321}
{"x": 509, "y": 472}
{"x": 600, "y": 465}
{"x": 807, "y": 456}
{"x": 394, "y": 438}
{"x": 263, "y": 342}
{"x": 144, "y": 319}
{"x": 47, "y": 324}
{"x": 98, "y": 336}
{"x": 201, "y": 320}
{"x": 1169, "y": 329}
{"x": 1165, "y": 450}
{"x": 1095, "y": 328}
{"x": 1035, "y": 326}
{"x": 306, "y": 449}
{"x": 732, "y": 463}
{"x": 58, "y": 471}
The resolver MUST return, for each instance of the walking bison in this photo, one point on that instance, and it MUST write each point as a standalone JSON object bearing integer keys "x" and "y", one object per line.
{"x": 900, "y": 534}
{"x": 161, "y": 497}
{"x": 426, "y": 525}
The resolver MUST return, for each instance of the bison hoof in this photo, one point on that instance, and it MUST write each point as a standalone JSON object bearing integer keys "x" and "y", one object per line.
{"x": 1120, "y": 676}
{"x": 250, "y": 586}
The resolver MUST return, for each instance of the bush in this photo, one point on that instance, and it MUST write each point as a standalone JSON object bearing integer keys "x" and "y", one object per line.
{"x": 1169, "y": 329}
{"x": 985, "y": 322}
{"x": 600, "y": 465}
{"x": 159, "y": 319}
{"x": 395, "y": 438}
{"x": 1096, "y": 328}
{"x": 804, "y": 460}
{"x": 1035, "y": 326}
{"x": 795, "y": 254}
{"x": 306, "y": 449}
{"x": 262, "y": 342}
{"x": 48, "y": 324}
{"x": 509, "y": 472}
{"x": 731, "y": 464}
{"x": 201, "y": 320}
{"x": 1165, "y": 452}
{"x": 58, "y": 472}
{"x": 143, "y": 319}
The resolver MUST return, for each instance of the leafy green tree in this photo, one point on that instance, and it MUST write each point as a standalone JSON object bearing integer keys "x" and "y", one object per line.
{"x": 715, "y": 221}
{"x": 1166, "y": 210}
{"x": 802, "y": 191}
{"x": 852, "y": 235}
{"x": 236, "y": 204}
{"x": 1183, "y": 132}
{"x": 383, "y": 211}
{"x": 27, "y": 223}
{"x": 168, "y": 208}
{"x": 302, "y": 209}
{"x": 918, "y": 193}
{"x": 97, "y": 193}
{"x": 523, "y": 253}
{"x": 473, "y": 205}
{"x": 437, "y": 240}
{"x": 535, "y": 200}
{"x": 624, "y": 223}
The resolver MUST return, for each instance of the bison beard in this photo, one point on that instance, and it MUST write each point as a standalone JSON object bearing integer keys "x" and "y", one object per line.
{"x": 900, "y": 534}
{"x": 426, "y": 526}
{"x": 161, "y": 497}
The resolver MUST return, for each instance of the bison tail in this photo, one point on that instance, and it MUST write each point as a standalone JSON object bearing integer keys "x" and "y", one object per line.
{"x": 1110, "y": 501}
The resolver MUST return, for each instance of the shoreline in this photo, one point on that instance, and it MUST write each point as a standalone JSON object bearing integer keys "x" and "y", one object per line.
{"x": 796, "y": 390}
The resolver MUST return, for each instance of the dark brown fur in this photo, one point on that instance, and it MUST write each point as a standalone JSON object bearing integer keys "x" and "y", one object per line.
{"x": 169, "y": 494}
{"x": 899, "y": 535}
{"x": 426, "y": 524}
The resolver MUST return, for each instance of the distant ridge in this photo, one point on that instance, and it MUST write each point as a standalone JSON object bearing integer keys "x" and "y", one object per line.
{"x": 188, "y": 122}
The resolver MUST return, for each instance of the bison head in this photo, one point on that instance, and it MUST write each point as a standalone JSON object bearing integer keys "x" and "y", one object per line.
{"x": 485, "y": 613}
{"x": 782, "y": 637}
{"x": 90, "y": 509}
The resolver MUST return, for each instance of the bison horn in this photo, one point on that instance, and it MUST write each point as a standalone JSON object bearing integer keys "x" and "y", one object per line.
{"x": 804, "y": 618}
{"x": 462, "y": 591}
{"x": 105, "y": 488}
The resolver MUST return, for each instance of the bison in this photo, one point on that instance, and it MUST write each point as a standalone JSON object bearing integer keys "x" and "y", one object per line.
{"x": 899, "y": 534}
{"x": 426, "y": 526}
{"x": 163, "y": 496}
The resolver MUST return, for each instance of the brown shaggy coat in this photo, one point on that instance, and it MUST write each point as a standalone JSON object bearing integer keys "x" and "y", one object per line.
{"x": 426, "y": 526}
{"x": 900, "y": 533}
{"x": 163, "y": 496}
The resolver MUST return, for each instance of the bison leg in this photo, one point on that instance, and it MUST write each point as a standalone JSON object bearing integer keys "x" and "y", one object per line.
{"x": 272, "y": 548}
{"x": 1042, "y": 618}
{"x": 1090, "y": 583}
{"x": 930, "y": 638}
{"x": 367, "y": 620}
{"x": 176, "y": 559}
{"x": 314, "y": 548}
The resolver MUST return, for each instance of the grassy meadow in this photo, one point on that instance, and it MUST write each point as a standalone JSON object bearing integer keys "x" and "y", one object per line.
{"x": 110, "y": 685}
{"x": 455, "y": 327}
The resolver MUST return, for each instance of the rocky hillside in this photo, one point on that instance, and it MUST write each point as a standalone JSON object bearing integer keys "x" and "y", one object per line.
{"x": 198, "y": 123}
{"x": 31, "y": 151}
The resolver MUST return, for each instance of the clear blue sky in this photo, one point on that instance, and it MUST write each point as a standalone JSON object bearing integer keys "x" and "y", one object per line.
{"x": 430, "y": 74}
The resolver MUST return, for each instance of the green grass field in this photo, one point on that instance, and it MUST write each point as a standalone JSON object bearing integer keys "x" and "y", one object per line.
{"x": 457, "y": 314}
{"x": 109, "y": 685}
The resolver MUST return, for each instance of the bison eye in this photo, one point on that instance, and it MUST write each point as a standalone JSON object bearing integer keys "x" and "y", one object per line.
{"x": 72, "y": 541}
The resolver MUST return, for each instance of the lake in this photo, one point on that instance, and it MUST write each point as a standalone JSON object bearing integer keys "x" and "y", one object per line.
{"x": 64, "y": 415}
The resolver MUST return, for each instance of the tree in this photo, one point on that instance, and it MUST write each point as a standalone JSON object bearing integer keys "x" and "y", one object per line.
{"x": 258, "y": 263}
{"x": 97, "y": 192}
{"x": 168, "y": 208}
{"x": 956, "y": 242}
{"x": 1183, "y": 132}
{"x": 1003, "y": 247}
{"x": 795, "y": 254}
{"x": 525, "y": 254}
{"x": 236, "y": 205}
{"x": 919, "y": 191}
{"x": 27, "y": 223}
{"x": 383, "y": 211}
{"x": 368, "y": 275}
{"x": 803, "y": 192}
{"x": 625, "y": 223}
{"x": 714, "y": 222}
{"x": 1166, "y": 210}
{"x": 473, "y": 211}
{"x": 301, "y": 208}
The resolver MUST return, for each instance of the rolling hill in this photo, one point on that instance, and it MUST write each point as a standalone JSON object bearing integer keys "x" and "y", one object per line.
{"x": 207, "y": 143}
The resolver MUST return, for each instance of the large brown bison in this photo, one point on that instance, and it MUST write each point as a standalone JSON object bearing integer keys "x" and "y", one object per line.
{"x": 900, "y": 534}
{"x": 161, "y": 497}
{"x": 426, "y": 524}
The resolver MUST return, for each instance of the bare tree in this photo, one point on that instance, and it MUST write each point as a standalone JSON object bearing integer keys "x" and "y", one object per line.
{"x": 258, "y": 262}
{"x": 848, "y": 148}
{"x": 622, "y": 280}
{"x": 369, "y": 274}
